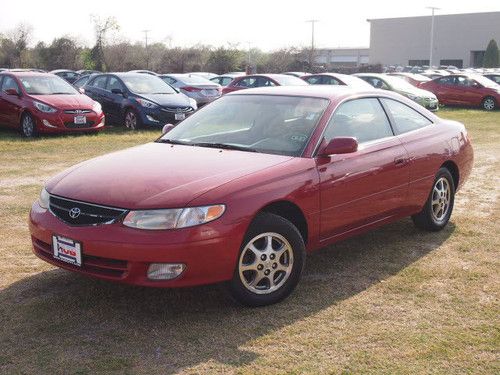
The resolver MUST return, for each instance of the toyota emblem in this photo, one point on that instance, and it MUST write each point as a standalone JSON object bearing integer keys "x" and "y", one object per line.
{"x": 74, "y": 212}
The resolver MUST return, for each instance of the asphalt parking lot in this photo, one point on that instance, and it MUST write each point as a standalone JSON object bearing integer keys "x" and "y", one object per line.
{"x": 395, "y": 300}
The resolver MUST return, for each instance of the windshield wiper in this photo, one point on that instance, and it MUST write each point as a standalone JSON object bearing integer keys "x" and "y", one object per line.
{"x": 226, "y": 146}
{"x": 175, "y": 142}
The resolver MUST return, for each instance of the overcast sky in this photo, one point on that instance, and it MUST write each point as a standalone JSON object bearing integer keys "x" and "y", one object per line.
{"x": 267, "y": 24}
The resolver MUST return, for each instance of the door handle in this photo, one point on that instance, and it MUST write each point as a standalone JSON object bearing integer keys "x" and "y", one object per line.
{"x": 400, "y": 160}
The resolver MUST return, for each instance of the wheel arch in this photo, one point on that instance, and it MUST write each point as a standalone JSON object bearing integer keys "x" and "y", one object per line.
{"x": 455, "y": 173}
{"x": 291, "y": 212}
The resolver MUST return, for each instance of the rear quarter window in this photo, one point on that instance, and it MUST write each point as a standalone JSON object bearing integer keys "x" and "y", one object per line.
{"x": 405, "y": 119}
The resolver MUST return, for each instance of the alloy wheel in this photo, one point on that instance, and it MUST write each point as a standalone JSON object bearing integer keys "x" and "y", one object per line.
{"x": 131, "y": 120}
{"x": 441, "y": 196}
{"x": 489, "y": 104}
{"x": 265, "y": 263}
{"x": 28, "y": 126}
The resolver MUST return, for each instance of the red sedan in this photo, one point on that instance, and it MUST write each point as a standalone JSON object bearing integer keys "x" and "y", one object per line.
{"x": 38, "y": 103}
{"x": 465, "y": 90}
{"x": 262, "y": 80}
{"x": 243, "y": 189}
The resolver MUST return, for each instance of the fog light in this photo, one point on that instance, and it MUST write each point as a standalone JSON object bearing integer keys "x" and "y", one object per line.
{"x": 151, "y": 118}
{"x": 165, "y": 271}
{"x": 48, "y": 124}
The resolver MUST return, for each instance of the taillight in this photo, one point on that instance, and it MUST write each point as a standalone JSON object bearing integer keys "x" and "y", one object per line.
{"x": 190, "y": 88}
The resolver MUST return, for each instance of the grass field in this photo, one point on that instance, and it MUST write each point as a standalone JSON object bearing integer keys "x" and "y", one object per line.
{"x": 394, "y": 301}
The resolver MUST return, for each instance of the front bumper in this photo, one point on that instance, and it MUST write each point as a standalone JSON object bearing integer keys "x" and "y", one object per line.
{"x": 160, "y": 116}
{"x": 429, "y": 103}
{"x": 117, "y": 253}
{"x": 60, "y": 122}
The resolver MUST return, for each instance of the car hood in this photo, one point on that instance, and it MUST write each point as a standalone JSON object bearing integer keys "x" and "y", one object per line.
{"x": 171, "y": 100}
{"x": 417, "y": 92}
{"x": 77, "y": 101}
{"x": 157, "y": 175}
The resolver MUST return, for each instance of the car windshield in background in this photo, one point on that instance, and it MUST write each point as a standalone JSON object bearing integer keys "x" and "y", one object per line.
{"x": 399, "y": 83}
{"x": 485, "y": 81}
{"x": 290, "y": 81}
{"x": 47, "y": 85}
{"x": 146, "y": 84}
{"x": 261, "y": 123}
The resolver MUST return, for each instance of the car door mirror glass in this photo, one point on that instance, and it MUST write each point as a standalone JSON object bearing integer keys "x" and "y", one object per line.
{"x": 340, "y": 145}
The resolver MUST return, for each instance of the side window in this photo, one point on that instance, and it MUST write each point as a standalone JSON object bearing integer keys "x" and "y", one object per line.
{"x": 225, "y": 81}
{"x": 363, "y": 119}
{"x": 100, "y": 82}
{"x": 445, "y": 81}
{"x": 378, "y": 84}
{"x": 330, "y": 81}
{"x": 10, "y": 83}
{"x": 264, "y": 82}
{"x": 247, "y": 82}
{"x": 462, "y": 81}
{"x": 314, "y": 80}
{"x": 169, "y": 80}
{"x": 406, "y": 119}
{"x": 114, "y": 83}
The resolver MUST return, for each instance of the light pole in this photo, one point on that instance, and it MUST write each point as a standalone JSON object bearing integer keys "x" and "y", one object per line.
{"x": 432, "y": 35}
{"x": 311, "y": 56}
{"x": 146, "y": 40}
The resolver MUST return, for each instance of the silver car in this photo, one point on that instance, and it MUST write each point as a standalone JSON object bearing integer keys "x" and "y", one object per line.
{"x": 227, "y": 78}
{"x": 194, "y": 86}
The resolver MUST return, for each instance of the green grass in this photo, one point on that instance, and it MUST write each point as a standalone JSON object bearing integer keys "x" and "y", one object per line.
{"x": 393, "y": 301}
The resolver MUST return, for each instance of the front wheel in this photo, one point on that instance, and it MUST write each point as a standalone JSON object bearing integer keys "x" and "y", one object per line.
{"x": 437, "y": 210}
{"x": 270, "y": 263}
{"x": 489, "y": 103}
{"x": 132, "y": 120}
{"x": 28, "y": 126}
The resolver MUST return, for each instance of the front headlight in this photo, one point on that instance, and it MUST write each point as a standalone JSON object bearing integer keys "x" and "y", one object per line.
{"x": 44, "y": 107}
{"x": 146, "y": 103}
{"x": 193, "y": 104}
{"x": 173, "y": 218}
{"x": 43, "y": 200}
{"x": 411, "y": 96}
{"x": 97, "y": 108}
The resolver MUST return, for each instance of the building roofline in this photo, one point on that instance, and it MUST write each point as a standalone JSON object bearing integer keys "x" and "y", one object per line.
{"x": 429, "y": 16}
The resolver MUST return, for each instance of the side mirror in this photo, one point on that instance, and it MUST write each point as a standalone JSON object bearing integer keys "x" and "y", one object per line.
{"x": 12, "y": 92}
{"x": 117, "y": 91}
{"x": 167, "y": 128}
{"x": 339, "y": 145}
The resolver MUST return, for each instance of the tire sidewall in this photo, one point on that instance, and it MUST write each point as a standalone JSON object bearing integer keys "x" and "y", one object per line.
{"x": 268, "y": 222}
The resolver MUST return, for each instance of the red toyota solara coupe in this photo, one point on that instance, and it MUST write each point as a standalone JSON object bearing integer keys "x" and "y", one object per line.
{"x": 44, "y": 103}
{"x": 245, "y": 187}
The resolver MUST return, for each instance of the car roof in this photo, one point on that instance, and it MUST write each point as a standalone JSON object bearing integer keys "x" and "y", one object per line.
{"x": 332, "y": 92}
{"x": 62, "y": 71}
{"x": 27, "y": 74}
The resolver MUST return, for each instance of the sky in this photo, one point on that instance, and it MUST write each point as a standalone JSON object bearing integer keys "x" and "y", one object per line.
{"x": 267, "y": 25}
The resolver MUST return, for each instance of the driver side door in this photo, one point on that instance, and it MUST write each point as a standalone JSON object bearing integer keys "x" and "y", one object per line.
{"x": 369, "y": 185}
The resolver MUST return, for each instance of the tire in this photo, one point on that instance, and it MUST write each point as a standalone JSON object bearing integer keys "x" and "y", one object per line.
{"x": 28, "y": 126}
{"x": 278, "y": 266}
{"x": 439, "y": 205}
{"x": 489, "y": 103}
{"x": 132, "y": 120}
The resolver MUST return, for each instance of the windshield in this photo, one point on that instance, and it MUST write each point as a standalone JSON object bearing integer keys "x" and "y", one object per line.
{"x": 146, "y": 84}
{"x": 399, "y": 83}
{"x": 485, "y": 81}
{"x": 262, "y": 123}
{"x": 290, "y": 81}
{"x": 47, "y": 85}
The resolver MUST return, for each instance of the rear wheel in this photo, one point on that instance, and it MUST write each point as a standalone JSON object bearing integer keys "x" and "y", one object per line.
{"x": 437, "y": 210}
{"x": 489, "y": 103}
{"x": 28, "y": 126}
{"x": 270, "y": 263}
{"x": 132, "y": 120}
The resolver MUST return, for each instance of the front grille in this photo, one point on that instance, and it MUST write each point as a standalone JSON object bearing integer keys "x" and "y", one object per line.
{"x": 72, "y": 125}
{"x": 80, "y": 213}
{"x": 113, "y": 268}
{"x": 176, "y": 109}
{"x": 77, "y": 111}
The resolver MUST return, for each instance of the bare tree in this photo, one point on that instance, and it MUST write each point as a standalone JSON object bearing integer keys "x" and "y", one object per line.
{"x": 101, "y": 28}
